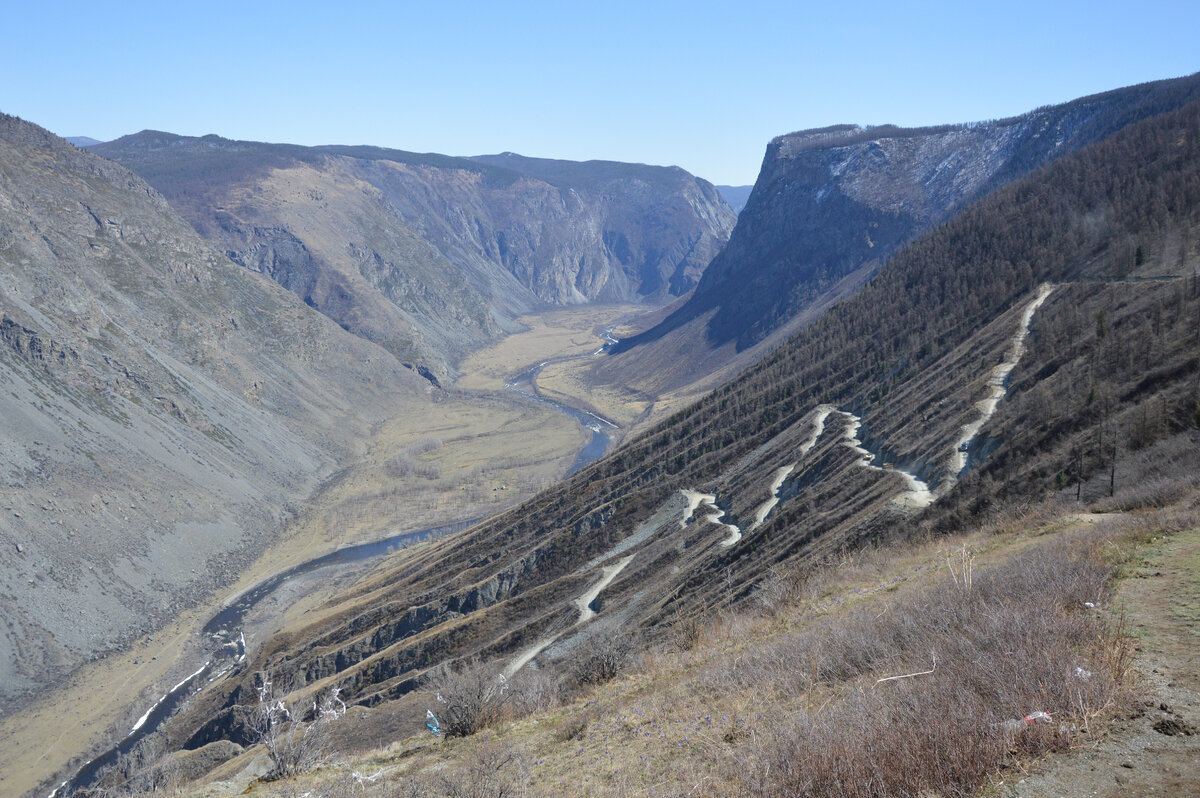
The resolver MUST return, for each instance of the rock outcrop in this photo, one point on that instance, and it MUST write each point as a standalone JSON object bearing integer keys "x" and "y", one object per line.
{"x": 428, "y": 255}
{"x": 862, "y": 409}
{"x": 831, "y": 205}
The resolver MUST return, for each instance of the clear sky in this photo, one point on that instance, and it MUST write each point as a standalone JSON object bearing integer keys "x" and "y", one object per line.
{"x": 699, "y": 84}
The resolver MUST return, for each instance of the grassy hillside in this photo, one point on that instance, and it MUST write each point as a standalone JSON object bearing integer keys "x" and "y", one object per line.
{"x": 1090, "y": 263}
{"x": 177, "y": 429}
{"x": 942, "y": 666}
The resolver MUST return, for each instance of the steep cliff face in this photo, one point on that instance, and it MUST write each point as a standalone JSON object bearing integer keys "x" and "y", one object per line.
{"x": 161, "y": 407}
{"x": 830, "y": 205}
{"x": 429, "y": 255}
{"x": 851, "y": 431}
{"x": 625, "y": 231}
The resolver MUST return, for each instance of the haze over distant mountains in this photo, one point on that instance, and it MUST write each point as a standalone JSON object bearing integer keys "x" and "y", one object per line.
{"x": 854, "y": 425}
{"x": 928, "y": 323}
{"x": 429, "y": 255}
{"x": 735, "y": 196}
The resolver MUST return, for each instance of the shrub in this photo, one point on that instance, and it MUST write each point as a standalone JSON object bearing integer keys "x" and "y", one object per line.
{"x": 1153, "y": 492}
{"x": 604, "y": 656}
{"x": 293, "y": 745}
{"x": 686, "y": 630}
{"x": 533, "y": 690}
{"x": 492, "y": 770}
{"x": 472, "y": 696}
{"x": 1008, "y": 641}
{"x": 777, "y": 591}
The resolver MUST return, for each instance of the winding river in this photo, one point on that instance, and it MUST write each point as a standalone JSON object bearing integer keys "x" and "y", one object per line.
{"x": 224, "y": 630}
{"x": 600, "y": 427}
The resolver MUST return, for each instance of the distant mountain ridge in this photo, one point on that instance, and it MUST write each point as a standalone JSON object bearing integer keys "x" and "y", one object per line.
{"x": 853, "y": 426}
{"x": 431, "y": 255}
{"x": 832, "y": 204}
{"x": 736, "y": 196}
{"x": 164, "y": 409}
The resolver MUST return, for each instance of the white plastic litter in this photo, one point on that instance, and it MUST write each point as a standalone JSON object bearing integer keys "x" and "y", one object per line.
{"x": 1032, "y": 719}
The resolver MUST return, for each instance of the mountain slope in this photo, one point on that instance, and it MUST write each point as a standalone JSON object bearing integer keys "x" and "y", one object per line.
{"x": 830, "y": 205}
{"x": 660, "y": 228}
{"x": 1074, "y": 290}
{"x": 736, "y": 196}
{"x": 429, "y": 255}
{"x": 163, "y": 409}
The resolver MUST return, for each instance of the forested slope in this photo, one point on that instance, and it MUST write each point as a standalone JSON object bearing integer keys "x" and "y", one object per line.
{"x": 1108, "y": 372}
{"x": 831, "y": 205}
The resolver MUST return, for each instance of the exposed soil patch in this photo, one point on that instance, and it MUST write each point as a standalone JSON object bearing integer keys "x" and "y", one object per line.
{"x": 1173, "y": 727}
{"x": 1155, "y": 750}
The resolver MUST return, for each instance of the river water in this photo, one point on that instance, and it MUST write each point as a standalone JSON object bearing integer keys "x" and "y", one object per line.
{"x": 228, "y": 644}
{"x": 224, "y": 630}
{"x": 600, "y": 427}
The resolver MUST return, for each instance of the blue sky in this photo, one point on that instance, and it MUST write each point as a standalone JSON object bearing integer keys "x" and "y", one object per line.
{"x": 699, "y": 84}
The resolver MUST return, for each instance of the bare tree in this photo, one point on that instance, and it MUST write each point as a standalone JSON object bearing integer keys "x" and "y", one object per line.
{"x": 492, "y": 770}
{"x": 472, "y": 696}
{"x": 293, "y": 744}
{"x": 605, "y": 656}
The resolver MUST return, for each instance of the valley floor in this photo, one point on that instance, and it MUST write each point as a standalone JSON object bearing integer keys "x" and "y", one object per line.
{"x": 567, "y": 342}
{"x": 474, "y": 451}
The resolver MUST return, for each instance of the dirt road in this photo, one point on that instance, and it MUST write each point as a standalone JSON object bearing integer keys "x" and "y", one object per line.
{"x": 1155, "y": 749}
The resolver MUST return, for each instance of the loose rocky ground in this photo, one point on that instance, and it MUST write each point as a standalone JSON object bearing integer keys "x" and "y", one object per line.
{"x": 473, "y": 452}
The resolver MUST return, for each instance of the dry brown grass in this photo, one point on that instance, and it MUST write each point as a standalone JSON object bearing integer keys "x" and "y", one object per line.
{"x": 786, "y": 699}
{"x": 990, "y": 647}
{"x": 566, "y": 332}
{"x": 1156, "y": 492}
{"x": 478, "y": 475}
{"x": 454, "y": 459}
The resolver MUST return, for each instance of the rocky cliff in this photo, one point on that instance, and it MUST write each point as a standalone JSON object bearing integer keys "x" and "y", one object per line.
{"x": 830, "y": 205}
{"x": 850, "y": 432}
{"x": 161, "y": 407}
{"x": 430, "y": 255}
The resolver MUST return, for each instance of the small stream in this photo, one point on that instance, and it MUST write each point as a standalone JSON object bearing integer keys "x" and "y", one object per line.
{"x": 224, "y": 630}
